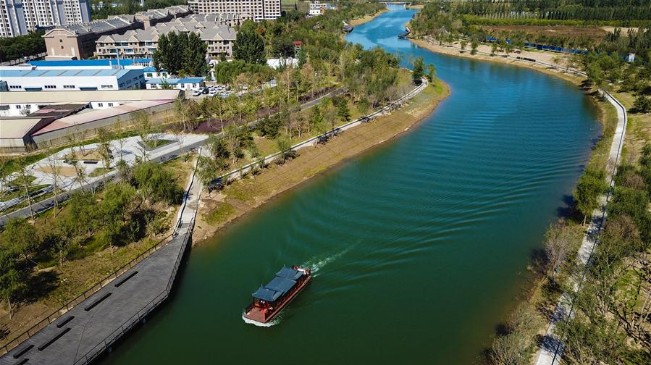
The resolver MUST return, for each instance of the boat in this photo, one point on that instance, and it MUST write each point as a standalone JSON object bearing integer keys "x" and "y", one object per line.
{"x": 270, "y": 299}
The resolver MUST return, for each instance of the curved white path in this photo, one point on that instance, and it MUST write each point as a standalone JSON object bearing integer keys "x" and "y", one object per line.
{"x": 552, "y": 347}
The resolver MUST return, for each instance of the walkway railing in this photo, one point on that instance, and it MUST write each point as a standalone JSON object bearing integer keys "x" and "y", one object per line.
{"x": 93, "y": 353}
{"x": 24, "y": 336}
{"x": 242, "y": 171}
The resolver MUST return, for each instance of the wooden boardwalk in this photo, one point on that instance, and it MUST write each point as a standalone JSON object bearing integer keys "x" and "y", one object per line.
{"x": 90, "y": 328}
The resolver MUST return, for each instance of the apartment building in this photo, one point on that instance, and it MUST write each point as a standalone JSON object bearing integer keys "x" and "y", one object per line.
{"x": 19, "y": 17}
{"x": 142, "y": 43}
{"x": 257, "y": 10}
{"x": 78, "y": 40}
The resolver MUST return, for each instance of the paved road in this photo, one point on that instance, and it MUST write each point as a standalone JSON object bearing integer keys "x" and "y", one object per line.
{"x": 162, "y": 154}
{"x": 94, "y": 325}
{"x": 552, "y": 347}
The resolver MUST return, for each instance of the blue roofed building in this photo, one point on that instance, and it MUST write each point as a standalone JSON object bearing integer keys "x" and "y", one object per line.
{"x": 72, "y": 79}
{"x": 185, "y": 83}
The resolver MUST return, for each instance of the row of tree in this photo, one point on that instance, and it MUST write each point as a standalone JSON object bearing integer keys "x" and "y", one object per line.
{"x": 613, "y": 308}
{"x": 21, "y": 46}
{"x": 620, "y": 10}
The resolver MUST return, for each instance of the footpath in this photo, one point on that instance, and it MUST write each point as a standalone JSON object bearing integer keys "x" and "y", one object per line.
{"x": 84, "y": 332}
{"x": 551, "y": 348}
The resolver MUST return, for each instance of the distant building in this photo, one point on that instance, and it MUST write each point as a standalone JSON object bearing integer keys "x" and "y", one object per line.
{"x": 257, "y": 10}
{"x": 68, "y": 80}
{"x": 54, "y": 117}
{"x": 78, "y": 41}
{"x": 218, "y": 37}
{"x": 317, "y": 8}
{"x": 186, "y": 83}
{"x": 19, "y": 17}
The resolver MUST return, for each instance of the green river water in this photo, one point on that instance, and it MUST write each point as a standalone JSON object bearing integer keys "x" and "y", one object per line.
{"x": 419, "y": 248}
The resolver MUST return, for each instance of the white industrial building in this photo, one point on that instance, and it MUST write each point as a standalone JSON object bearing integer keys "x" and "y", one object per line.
{"x": 67, "y": 80}
{"x": 55, "y": 117}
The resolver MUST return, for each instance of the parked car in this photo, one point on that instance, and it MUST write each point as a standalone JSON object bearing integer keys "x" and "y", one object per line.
{"x": 196, "y": 92}
{"x": 212, "y": 92}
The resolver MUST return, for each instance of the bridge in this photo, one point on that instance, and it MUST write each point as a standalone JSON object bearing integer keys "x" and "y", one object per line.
{"x": 395, "y": 4}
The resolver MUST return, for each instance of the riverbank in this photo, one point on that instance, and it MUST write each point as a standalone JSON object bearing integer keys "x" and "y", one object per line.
{"x": 218, "y": 209}
{"x": 366, "y": 19}
{"x": 546, "y": 62}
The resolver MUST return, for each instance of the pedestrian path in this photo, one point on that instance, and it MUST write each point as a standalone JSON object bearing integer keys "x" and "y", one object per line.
{"x": 551, "y": 348}
{"x": 91, "y": 327}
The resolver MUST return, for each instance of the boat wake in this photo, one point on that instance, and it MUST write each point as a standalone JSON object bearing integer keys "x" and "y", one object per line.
{"x": 317, "y": 263}
{"x": 273, "y": 322}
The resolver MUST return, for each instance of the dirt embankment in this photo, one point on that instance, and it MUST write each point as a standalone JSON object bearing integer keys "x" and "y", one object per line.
{"x": 218, "y": 209}
{"x": 556, "y": 64}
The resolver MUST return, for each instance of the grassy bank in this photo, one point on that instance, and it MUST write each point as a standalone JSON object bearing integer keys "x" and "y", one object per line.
{"x": 218, "y": 209}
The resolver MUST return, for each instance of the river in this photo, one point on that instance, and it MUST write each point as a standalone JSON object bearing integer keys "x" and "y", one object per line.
{"x": 419, "y": 248}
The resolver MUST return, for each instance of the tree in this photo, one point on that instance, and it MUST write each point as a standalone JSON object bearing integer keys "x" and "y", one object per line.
{"x": 284, "y": 147}
{"x": 431, "y": 72}
{"x": 473, "y": 47}
{"x": 181, "y": 53}
{"x": 55, "y": 171}
{"x": 515, "y": 346}
{"x": 249, "y": 46}
{"x": 157, "y": 183}
{"x": 463, "y": 44}
{"x": 558, "y": 242}
{"x": 590, "y": 185}
{"x": 12, "y": 278}
{"x": 343, "y": 112}
{"x": 642, "y": 104}
{"x": 419, "y": 69}
{"x": 17, "y": 244}
{"x": 194, "y": 56}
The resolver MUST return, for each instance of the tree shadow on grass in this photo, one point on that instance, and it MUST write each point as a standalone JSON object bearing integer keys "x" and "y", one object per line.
{"x": 40, "y": 285}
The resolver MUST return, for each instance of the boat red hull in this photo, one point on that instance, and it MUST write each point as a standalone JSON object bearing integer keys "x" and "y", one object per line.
{"x": 266, "y": 315}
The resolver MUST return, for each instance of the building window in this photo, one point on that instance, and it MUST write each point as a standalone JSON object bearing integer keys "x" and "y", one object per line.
{"x": 50, "y": 86}
{"x": 99, "y": 105}
{"x": 110, "y": 104}
{"x": 19, "y": 106}
{"x": 14, "y": 86}
{"x": 107, "y": 86}
{"x": 68, "y": 86}
{"x": 149, "y": 74}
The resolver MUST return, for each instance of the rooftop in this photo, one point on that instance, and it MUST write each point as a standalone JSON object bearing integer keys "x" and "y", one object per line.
{"x": 63, "y": 73}
{"x": 82, "y": 63}
{"x": 97, "y": 114}
{"x": 16, "y": 127}
{"x": 67, "y": 97}
{"x": 172, "y": 81}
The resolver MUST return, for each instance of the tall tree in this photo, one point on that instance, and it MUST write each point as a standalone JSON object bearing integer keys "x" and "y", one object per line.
{"x": 419, "y": 70}
{"x": 249, "y": 45}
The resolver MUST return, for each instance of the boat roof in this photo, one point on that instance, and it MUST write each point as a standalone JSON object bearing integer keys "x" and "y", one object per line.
{"x": 266, "y": 294}
{"x": 289, "y": 273}
{"x": 283, "y": 282}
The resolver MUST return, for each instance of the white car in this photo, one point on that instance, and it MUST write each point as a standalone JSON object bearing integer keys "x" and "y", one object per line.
{"x": 196, "y": 92}
{"x": 212, "y": 92}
